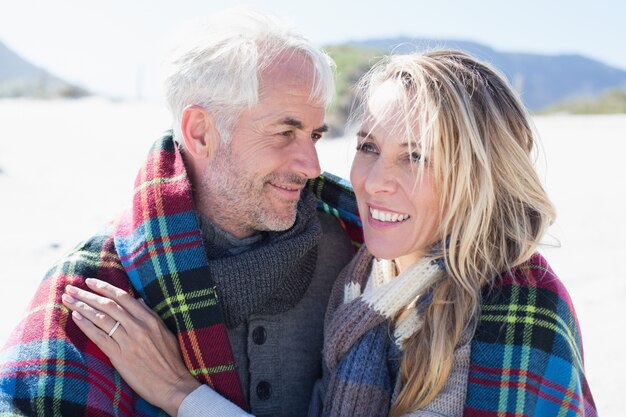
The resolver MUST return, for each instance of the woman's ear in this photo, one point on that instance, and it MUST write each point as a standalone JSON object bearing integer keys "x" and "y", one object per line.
{"x": 200, "y": 134}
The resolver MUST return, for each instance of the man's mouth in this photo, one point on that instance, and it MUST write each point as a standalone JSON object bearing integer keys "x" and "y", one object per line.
{"x": 287, "y": 187}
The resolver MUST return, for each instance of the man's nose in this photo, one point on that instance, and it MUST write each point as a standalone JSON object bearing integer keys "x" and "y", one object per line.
{"x": 306, "y": 161}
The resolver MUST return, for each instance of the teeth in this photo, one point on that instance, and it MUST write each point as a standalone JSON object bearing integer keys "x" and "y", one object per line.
{"x": 285, "y": 188}
{"x": 385, "y": 216}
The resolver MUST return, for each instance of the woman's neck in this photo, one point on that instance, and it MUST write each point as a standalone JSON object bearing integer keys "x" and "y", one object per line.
{"x": 405, "y": 261}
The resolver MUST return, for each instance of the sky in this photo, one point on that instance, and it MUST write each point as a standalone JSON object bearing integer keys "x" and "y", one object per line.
{"x": 113, "y": 47}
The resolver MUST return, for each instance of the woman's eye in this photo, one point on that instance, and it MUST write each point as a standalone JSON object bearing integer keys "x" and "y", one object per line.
{"x": 416, "y": 157}
{"x": 366, "y": 147}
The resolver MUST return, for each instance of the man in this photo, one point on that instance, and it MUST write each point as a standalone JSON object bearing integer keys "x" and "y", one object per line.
{"x": 222, "y": 242}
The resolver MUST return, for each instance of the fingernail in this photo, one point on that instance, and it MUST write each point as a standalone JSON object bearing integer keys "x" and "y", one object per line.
{"x": 68, "y": 298}
{"x": 90, "y": 281}
{"x": 77, "y": 315}
{"x": 71, "y": 289}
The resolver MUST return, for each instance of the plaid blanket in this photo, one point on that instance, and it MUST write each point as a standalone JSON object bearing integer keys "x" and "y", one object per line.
{"x": 49, "y": 368}
{"x": 527, "y": 357}
{"x": 335, "y": 196}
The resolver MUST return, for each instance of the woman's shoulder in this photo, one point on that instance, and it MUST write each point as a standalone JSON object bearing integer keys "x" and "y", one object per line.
{"x": 529, "y": 305}
{"x": 530, "y": 283}
{"x": 528, "y": 312}
{"x": 529, "y": 308}
{"x": 535, "y": 272}
{"x": 527, "y": 347}
{"x": 528, "y": 335}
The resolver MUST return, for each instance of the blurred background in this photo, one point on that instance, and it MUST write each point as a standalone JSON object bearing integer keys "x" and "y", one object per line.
{"x": 80, "y": 104}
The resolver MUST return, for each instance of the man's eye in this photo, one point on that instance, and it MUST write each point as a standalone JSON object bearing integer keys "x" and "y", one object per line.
{"x": 316, "y": 136}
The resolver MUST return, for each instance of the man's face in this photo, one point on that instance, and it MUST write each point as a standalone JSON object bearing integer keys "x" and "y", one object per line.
{"x": 254, "y": 183}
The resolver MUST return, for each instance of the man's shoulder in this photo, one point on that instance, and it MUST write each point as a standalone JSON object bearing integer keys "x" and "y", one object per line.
{"x": 335, "y": 249}
{"x": 334, "y": 237}
{"x": 331, "y": 228}
{"x": 337, "y": 207}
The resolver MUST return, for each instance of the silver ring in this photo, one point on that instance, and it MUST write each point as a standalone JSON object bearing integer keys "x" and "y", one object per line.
{"x": 117, "y": 324}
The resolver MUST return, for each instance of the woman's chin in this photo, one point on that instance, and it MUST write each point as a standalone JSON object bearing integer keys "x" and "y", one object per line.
{"x": 383, "y": 253}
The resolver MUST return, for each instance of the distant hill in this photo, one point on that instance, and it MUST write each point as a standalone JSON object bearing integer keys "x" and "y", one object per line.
{"x": 613, "y": 101}
{"x": 20, "y": 78}
{"x": 542, "y": 80}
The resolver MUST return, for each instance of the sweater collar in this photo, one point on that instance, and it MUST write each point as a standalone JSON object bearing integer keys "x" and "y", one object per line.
{"x": 269, "y": 275}
{"x": 220, "y": 243}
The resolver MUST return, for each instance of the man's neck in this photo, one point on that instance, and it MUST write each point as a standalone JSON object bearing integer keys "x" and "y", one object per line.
{"x": 224, "y": 242}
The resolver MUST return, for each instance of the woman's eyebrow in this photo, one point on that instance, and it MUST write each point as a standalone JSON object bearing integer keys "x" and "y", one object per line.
{"x": 365, "y": 135}
{"x": 412, "y": 145}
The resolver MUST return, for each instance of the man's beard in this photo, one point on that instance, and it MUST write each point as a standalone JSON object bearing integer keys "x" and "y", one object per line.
{"x": 238, "y": 200}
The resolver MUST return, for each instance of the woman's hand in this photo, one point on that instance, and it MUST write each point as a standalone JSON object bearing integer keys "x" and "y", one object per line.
{"x": 141, "y": 348}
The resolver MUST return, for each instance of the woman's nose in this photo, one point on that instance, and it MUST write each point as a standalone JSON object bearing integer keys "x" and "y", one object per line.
{"x": 380, "y": 178}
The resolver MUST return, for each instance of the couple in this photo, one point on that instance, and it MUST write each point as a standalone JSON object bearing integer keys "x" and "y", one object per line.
{"x": 217, "y": 292}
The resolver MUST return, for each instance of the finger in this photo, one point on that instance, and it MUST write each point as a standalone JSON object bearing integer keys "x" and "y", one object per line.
{"x": 107, "y": 344}
{"x": 100, "y": 303}
{"x": 123, "y": 298}
{"x": 146, "y": 308}
{"x": 101, "y": 320}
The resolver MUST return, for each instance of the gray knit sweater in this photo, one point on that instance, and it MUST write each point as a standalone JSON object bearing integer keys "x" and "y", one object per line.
{"x": 277, "y": 351}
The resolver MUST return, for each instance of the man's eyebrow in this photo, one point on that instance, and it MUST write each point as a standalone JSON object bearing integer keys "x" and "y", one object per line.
{"x": 322, "y": 129}
{"x": 290, "y": 121}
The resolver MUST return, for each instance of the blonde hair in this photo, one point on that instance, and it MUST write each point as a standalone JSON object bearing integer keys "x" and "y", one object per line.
{"x": 478, "y": 139}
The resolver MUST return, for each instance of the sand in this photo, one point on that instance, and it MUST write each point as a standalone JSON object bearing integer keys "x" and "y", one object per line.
{"x": 68, "y": 166}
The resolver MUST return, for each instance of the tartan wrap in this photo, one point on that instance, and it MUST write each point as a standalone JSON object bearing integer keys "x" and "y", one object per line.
{"x": 335, "y": 196}
{"x": 48, "y": 367}
{"x": 526, "y": 354}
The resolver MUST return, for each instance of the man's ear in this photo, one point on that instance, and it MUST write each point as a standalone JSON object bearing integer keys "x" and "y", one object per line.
{"x": 200, "y": 134}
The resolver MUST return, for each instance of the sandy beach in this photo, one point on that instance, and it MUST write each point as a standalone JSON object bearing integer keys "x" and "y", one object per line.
{"x": 66, "y": 167}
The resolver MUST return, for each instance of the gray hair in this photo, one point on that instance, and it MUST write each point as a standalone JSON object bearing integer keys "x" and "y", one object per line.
{"x": 215, "y": 63}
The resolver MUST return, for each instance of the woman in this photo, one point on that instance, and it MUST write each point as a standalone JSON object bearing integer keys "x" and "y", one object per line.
{"x": 453, "y": 212}
{"x": 447, "y": 309}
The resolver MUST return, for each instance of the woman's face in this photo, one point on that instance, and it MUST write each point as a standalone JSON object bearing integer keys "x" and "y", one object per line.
{"x": 399, "y": 211}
